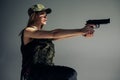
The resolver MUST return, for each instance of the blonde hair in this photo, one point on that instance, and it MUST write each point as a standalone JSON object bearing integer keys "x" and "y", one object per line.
{"x": 31, "y": 19}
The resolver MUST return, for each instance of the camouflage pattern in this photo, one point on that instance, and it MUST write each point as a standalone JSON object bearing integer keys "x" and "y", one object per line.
{"x": 44, "y": 53}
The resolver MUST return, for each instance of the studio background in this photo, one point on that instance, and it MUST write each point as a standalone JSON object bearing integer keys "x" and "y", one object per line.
{"x": 96, "y": 58}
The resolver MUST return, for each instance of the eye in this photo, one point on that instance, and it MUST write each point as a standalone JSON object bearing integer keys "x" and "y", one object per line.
{"x": 43, "y": 16}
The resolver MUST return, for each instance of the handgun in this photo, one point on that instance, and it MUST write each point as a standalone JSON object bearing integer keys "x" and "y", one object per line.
{"x": 97, "y": 22}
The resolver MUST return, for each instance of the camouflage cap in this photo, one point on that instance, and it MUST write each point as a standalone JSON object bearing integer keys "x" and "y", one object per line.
{"x": 38, "y": 8}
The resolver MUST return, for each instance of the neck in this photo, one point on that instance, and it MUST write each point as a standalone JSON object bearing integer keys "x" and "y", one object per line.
{"x": 39, "y": 26}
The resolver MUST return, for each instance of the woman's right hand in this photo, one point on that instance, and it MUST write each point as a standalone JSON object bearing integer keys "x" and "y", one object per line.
{"x": 88, "y": 30}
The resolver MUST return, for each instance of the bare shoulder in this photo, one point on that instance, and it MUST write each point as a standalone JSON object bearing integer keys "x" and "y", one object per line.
{"x": 30, "y": 29}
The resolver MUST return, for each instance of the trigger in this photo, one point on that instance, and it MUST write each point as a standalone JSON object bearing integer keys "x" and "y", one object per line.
{"x": 97, "y": 26}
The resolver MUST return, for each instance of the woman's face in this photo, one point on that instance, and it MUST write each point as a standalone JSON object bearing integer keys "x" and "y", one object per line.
{"x": 42, "y": 18}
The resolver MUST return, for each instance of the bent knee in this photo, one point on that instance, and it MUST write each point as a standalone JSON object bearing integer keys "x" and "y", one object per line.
{"x": 73, "y": 72}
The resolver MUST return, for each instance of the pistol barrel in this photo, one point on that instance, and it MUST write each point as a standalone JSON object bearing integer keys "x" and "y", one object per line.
{"x": 99, "y": 21}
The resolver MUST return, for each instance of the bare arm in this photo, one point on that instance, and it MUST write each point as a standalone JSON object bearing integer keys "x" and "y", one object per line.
{"x": 56, "y": 33}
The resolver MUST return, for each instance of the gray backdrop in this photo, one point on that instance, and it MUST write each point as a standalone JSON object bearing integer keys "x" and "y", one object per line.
{"x": 94, "y": 58}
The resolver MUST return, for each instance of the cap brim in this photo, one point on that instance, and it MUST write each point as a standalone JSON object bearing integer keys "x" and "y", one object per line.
{"x": 48, "y": 10}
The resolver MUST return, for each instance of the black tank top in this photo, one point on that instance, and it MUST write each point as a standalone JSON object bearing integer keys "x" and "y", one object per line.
{"x": 38, "y": 51}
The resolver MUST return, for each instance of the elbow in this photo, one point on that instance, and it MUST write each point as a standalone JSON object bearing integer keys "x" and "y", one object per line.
{"x": 56, "y": 33}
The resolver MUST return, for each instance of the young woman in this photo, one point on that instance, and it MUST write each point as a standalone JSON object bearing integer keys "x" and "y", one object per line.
{"x": 38, "y": 50}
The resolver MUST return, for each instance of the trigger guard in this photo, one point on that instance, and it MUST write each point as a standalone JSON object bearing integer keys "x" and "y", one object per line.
{"x": 97, "y": 26}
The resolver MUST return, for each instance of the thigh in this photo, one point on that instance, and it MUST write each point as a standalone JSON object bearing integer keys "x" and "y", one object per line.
{"x": 62, "y": 72}
{"x": 53, "y": 73}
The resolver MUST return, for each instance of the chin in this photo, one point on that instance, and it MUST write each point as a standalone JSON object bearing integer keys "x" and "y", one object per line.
{"x": 44, "y": 23}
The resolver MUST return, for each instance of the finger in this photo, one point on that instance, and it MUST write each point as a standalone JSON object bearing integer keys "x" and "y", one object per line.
{"x": 90, "y": 25}
{"x": 88, "y": 35}
{"x": 92, "y": 31}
